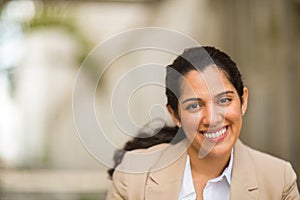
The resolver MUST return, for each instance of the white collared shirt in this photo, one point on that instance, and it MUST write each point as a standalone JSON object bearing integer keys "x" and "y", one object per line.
{"x": 216, "y": 189}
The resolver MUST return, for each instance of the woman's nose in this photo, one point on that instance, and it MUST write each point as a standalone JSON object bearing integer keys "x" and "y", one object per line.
{"x": 213, "y": 116}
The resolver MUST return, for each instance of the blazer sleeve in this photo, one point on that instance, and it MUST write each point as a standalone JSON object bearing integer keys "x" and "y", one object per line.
{"x": 119, "y": 187}
{"x": 290, "y": 191}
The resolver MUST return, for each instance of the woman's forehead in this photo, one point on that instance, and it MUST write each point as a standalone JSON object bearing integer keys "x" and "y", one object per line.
{"x": 211, "y": 80}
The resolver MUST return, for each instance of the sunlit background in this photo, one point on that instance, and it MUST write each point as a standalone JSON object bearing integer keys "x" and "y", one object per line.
{"x": 43, "y": 43}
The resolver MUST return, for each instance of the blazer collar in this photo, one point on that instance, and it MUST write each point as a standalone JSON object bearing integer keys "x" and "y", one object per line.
{"x": 244, "y": 183}
{"x": 165, "y": 182}
{"x": 160, "y": 182}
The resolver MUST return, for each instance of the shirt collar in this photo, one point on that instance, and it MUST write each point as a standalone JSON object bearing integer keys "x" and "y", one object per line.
{"x": 227, "y": 171}
{"x": 187, "y": 188}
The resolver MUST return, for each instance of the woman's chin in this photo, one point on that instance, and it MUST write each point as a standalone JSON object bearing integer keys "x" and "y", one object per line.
{"x": 219, "y": 152}
{"x": 222, "y": 149}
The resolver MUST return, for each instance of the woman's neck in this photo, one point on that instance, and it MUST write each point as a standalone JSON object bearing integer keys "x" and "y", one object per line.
{"x": 208, "y": 167}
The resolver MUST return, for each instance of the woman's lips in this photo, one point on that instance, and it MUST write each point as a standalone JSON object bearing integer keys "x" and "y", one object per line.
{"x": 216, "y": 134}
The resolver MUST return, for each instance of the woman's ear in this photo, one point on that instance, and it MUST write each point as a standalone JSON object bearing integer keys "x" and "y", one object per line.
{"x": 174, "y": 116}
{"x": 245, "y": 100}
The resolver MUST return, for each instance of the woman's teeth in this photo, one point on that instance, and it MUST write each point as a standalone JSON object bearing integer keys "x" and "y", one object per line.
{"x": 215, "y": 134}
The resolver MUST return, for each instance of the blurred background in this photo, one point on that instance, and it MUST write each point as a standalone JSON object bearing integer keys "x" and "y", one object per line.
{"x": 43, "y": 43}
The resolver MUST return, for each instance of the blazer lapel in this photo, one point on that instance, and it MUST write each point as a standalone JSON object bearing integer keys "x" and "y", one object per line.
{"x": 243, "y": 183}
{"x": 165, "y": 183}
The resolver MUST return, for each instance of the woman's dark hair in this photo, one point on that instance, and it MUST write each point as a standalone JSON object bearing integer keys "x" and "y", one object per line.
{"x": 165, "y": 134}
{"x": 197, "y": 58}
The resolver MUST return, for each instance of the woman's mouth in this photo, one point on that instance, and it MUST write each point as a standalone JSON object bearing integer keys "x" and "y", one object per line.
{"x": 216, "y": 134}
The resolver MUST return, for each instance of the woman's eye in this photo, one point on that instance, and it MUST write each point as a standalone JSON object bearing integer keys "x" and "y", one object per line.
{"x": 225, "y": 100}
{"x": 193, "y": 107}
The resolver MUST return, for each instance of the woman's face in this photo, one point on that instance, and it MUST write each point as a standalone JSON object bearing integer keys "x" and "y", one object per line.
{"x": 210, "y": 110}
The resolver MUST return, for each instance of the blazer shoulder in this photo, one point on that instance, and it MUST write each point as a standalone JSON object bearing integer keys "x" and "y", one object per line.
{"x": 262, "y": 175}
{"x": 130, "y": 176}
{"x": 265, "y": 160}
{"x": 273, "y": 172}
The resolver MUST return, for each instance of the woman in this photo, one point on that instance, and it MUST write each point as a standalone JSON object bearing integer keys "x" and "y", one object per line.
{"x": 206, "y": 99}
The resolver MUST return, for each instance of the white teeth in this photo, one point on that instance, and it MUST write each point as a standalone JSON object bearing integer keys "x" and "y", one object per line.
{"x": 216, "y": 134}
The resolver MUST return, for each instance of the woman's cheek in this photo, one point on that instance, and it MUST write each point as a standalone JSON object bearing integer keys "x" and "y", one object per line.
{"x": 190, "y": 122}
{"x": 233, "y": 113}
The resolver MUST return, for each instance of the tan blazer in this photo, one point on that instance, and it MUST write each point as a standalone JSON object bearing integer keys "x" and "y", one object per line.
{"x": 255, "y": 175}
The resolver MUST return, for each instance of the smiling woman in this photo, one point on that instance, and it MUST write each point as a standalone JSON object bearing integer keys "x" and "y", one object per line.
{"x": 206, "y": 99}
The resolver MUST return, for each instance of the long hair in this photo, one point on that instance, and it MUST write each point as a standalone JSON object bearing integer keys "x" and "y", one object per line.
{"x": 165, "y": 134}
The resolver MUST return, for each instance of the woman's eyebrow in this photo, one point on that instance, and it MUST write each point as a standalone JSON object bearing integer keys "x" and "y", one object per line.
{"x": 199, "y": 99}
{"x": 225, "y": 92}
{"x": 191, "y": 99}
